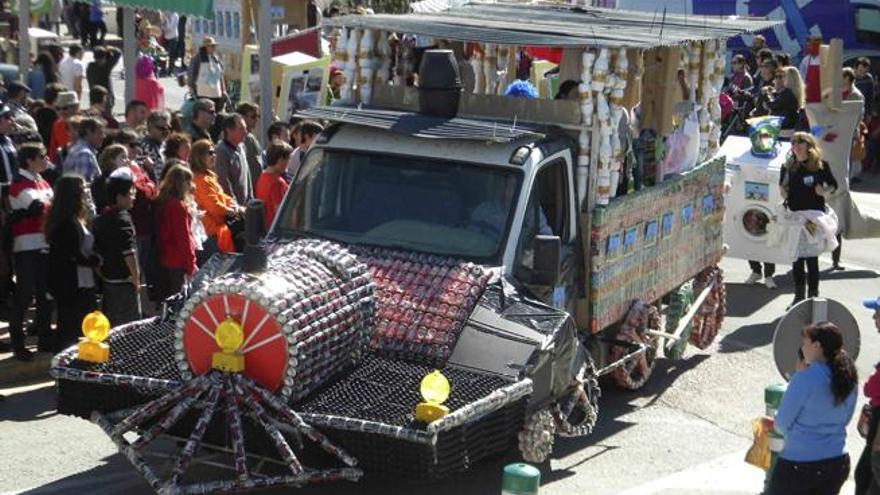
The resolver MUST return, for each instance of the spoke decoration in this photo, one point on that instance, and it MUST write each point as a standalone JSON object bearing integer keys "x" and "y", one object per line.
{"x": 226, "y": 395}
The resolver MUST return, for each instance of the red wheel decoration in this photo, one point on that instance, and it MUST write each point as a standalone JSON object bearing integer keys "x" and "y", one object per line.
{"x": 264, "y": 347}
{"x": 710, "y": 316}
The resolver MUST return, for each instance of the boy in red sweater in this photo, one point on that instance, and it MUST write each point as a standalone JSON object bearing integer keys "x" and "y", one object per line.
{"x": 272, "y": 186}
{"x": 29, "y": 199}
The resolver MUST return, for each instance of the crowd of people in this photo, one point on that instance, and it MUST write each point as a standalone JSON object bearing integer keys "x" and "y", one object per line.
{"x": 119, "y": 214}
{"x": 766, "y": 83}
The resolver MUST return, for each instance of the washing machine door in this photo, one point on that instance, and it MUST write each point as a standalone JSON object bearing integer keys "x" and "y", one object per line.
{"x": 752, "y": 228}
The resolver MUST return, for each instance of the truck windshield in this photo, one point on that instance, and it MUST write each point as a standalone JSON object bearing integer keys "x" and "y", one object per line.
{"x": 413, "y": 203}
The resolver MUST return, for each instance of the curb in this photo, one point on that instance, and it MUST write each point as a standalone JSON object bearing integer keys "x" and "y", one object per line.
{"x": 13, "y": 371}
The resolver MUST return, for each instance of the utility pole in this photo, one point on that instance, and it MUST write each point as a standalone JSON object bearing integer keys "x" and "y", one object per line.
{"x": 24, "y": 41}
{"x": 264, "y": 35}
{"x": 129, "y": 51}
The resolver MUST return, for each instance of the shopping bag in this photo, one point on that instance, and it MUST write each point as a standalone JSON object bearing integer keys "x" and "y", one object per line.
{"x": 759, "y": 453}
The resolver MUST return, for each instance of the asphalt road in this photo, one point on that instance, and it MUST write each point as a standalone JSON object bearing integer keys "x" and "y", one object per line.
{"x": 685, "y": 432}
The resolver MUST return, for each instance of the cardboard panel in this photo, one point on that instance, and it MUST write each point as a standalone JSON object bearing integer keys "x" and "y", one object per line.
{"x": 550, "y": 112}
{"x": 633, "y": 92}
{"x": 660, "y": 89}
{"x": 831, "y": 73}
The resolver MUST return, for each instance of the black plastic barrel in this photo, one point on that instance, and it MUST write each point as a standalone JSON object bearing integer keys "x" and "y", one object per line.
{"x": 255, "y": 257}
{"x": 439, "y": 84}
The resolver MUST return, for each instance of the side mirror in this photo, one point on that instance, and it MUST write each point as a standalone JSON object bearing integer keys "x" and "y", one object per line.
{"x": 548, "y": 249}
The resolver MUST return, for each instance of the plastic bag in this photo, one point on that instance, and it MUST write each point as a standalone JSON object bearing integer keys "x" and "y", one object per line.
{"x": 682, "y": 147}
{"x": 759, "y": 453}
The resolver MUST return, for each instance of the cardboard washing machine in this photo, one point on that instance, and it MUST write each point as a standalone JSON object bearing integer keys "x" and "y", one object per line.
{"x": 755, "y": 224}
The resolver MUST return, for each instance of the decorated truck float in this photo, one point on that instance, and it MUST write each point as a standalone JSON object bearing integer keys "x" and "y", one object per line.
{"x": 450, "y": 273}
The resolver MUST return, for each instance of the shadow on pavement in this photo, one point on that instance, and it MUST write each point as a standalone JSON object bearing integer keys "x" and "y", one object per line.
{"x": 114, "y": 476}
{"x": 616, "y": 402}
{"x": 30, "y": 405}
{"x": 846, "y": 275}
{"x": 748, "y": 337}
{"x": 746, "y": 300}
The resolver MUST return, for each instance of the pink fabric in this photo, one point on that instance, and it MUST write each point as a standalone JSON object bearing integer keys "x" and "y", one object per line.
{"x": 726, "y": 105}
{"x": 147, "y": 88}
{"x": 151, "y": 92}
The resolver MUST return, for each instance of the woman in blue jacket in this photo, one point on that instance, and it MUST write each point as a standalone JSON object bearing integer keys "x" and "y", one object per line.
{"x": 813, "y": 415}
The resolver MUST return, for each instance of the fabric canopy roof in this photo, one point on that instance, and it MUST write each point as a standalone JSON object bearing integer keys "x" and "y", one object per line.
{"x": 557, "y": 25}
{"x": 199, "y": 8}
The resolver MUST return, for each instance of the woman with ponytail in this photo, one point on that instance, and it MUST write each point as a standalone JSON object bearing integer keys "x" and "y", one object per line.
{"x": 813, "y": 415}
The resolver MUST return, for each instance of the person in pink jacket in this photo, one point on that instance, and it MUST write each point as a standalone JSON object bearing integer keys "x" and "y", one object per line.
{"x": 147, "y": 88}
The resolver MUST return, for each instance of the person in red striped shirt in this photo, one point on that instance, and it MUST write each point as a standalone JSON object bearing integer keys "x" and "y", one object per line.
{"x": 271, "y": 187}
{"x": 29, "y": 199}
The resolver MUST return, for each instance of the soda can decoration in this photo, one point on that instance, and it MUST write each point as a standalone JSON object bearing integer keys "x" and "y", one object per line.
{"x": 302, "y": 322}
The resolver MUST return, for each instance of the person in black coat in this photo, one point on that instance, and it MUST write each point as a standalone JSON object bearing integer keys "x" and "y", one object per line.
{"x": 71, "y": 261}
{"x": 785, "y": 99}
{"x": 805, "y": 181}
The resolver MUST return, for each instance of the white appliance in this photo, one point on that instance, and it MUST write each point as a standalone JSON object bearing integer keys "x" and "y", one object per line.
{"x": 754, "y": 217}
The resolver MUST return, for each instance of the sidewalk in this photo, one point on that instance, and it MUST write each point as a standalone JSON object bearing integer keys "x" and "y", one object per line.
{"x": 14, "y": 372}
{"x": 728, "y": 475}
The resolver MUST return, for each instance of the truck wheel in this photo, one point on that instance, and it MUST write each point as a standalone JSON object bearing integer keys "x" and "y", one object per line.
{"x": 708, "y": 320}
{"x": 680, "y": 302}
{"x": 576, "y": 414}
{"x": 537, "y": 436}
{"x": 635, "y": 373}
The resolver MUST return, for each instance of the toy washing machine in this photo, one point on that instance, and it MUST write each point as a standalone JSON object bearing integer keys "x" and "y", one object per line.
{"x": 754, "y": 202}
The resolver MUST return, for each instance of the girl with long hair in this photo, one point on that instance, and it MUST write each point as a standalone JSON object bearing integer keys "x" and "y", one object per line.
{"x": 71, "y": 259}
{"x": 805, "y": 181}
{"x": 817, "y": 405}
{"x": 177, "y": 248}
{"x": 219, "y": 207}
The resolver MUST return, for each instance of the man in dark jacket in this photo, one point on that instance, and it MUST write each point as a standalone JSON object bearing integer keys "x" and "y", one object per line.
{"x": 864, "y": 82}
{"x": 232, "y": 169}
{"x": 98, "y": 72}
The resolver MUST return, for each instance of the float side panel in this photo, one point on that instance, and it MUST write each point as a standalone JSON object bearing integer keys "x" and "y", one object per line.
{"x": 646, "y": 244}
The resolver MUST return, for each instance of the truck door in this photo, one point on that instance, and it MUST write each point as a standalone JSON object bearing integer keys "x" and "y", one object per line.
{"x": 548, "y": 214}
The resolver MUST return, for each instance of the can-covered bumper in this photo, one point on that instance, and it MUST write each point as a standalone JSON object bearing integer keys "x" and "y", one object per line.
{"x": 367, "y": 409}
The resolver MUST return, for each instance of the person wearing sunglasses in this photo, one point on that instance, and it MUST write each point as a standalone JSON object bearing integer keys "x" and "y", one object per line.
{"x": 739, "y": 78}
{"x": 218, "y": 206}
{"x": 805, "y": 182}
{"x": 785, "y": 98}
{"x": 158, "y": 130}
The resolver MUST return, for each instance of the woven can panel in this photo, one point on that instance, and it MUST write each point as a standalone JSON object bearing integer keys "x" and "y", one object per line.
{"x": 305, "y": 319}
{"x": 456, "y": 450}
{"x": 386, "y": 391}
{"x": 422, "y": 302}
{"x": 647, "y": 244}
{"x": 146, "y": 349}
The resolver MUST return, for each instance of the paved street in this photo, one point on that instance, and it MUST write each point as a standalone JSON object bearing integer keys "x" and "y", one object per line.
{"x": 685, "y": 433}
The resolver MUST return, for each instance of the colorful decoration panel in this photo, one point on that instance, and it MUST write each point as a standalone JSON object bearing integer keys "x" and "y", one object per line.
{"x": 647, "y": 244}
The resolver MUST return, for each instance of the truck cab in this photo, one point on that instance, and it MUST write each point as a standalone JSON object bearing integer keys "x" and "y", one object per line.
{"x": 507, "y": 206}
